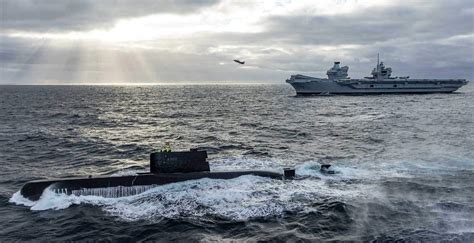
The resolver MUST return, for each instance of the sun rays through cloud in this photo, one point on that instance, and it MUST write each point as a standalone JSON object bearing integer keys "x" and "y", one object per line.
{"x": 147, "y": 42}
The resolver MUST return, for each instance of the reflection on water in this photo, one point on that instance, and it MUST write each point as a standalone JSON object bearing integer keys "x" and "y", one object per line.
{"x": 405, "y": 163}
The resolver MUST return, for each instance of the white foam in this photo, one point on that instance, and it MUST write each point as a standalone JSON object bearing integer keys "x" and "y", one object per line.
{"x": 236, "y": 199}
{"x": 244, "y": 163}
{"x": 128, "y": 172}
{"x": 52, "y": 200}
{"x": 342, "y": 172}
{"x": 112, "y": 192}
{"x": 18, "y": 199}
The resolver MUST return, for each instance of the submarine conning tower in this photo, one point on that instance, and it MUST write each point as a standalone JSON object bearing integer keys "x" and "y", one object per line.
{"x": 193, "y": 160}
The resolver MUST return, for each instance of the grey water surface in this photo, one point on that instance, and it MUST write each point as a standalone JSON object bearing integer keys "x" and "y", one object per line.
{"x": 405, "y": 163}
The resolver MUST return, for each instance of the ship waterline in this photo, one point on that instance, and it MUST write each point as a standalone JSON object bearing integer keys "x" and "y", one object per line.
{"x": 381, "y": 82}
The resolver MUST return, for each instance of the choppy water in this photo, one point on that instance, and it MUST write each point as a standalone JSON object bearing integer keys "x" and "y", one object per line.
{"x": 406, "y": 163}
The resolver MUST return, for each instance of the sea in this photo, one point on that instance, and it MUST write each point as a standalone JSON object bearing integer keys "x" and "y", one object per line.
{"x": 404, "y": 164}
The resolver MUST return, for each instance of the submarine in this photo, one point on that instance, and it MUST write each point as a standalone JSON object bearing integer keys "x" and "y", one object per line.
{"x": 165, "y": 168}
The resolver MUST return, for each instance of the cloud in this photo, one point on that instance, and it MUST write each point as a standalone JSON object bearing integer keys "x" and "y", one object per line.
{"x": 422, "y": 39}
{"x": 46, "y": 62}
{"x": 421, "y": 20}
{"x": 59, "y": 15}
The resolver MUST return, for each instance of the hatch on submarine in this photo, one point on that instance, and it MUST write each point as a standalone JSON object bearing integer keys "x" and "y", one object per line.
{"x": 165, "y": 167}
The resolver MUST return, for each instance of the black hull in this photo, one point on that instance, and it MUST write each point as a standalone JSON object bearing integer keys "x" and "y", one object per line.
{"x": 34, "y": 189}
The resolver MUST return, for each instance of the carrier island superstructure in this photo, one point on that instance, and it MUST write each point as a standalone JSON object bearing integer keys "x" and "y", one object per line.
{"x": 381, "y": 82}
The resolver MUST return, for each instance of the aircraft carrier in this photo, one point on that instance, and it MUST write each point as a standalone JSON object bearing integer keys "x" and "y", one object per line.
{"x": 381, "y": 82}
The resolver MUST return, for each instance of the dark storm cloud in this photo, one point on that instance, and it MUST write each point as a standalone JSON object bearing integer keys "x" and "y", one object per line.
{"x": 427, "y": 39}
{"x": 77, "y": 15}
{"x": 422, "y": 21}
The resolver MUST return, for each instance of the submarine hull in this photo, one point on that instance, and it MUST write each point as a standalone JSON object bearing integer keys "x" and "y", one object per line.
{"x": 34, "y": 189}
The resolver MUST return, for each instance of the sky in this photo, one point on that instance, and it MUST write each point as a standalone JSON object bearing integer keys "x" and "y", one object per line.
{"x": 195, "y": 41}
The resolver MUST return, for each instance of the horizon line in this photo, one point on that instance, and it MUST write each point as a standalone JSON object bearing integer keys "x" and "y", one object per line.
{"x": 142, "y": 84}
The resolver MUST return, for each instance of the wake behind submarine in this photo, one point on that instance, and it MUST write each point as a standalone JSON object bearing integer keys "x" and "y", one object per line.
{"x": 165, "y": 167}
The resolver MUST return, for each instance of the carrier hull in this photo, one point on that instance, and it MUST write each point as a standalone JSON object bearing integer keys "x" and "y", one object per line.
{"x": 305, "y": 85}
